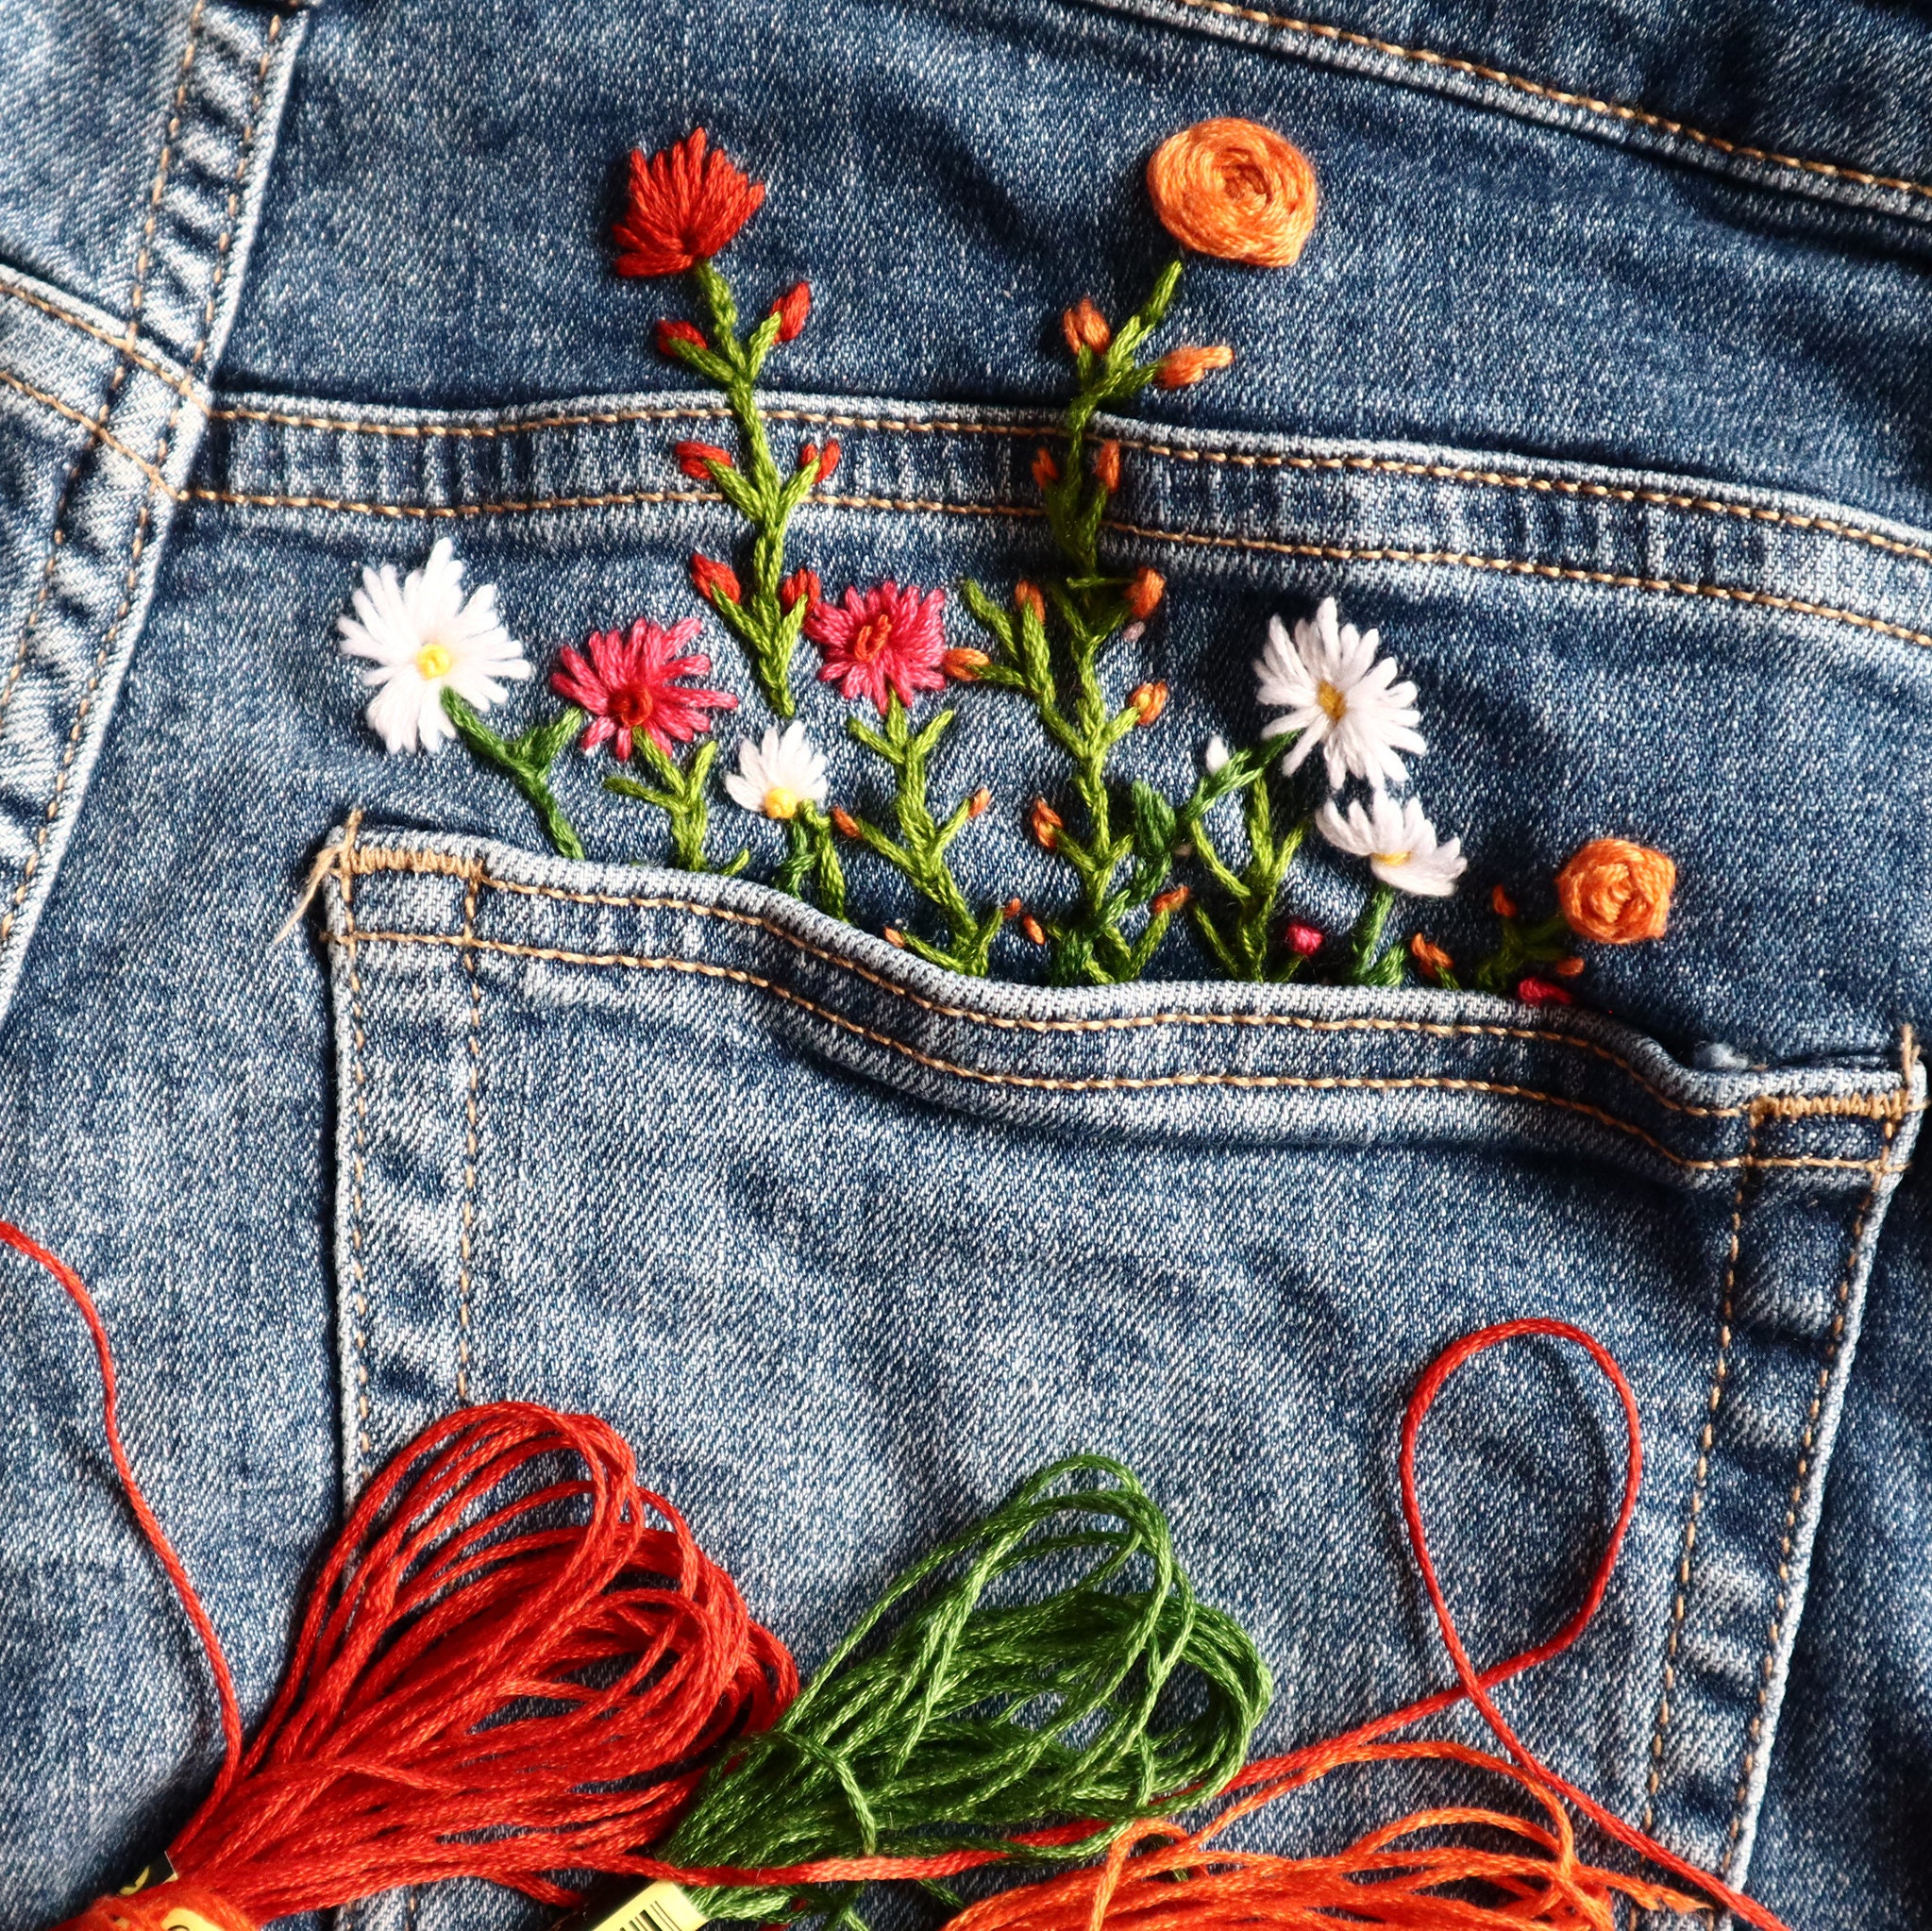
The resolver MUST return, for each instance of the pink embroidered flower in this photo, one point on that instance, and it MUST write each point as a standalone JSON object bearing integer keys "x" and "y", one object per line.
{"x": 883, "y": 639}
{"x": 630, "y": 686}
{"x": 682, "y": 209}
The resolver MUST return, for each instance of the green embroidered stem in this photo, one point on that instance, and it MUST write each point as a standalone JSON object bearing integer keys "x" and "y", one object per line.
{"x": 920, "y": 851}
{"x": 1519, "y": 946}
{"x": 1243, "y": 946}
{"x": 971, "y": 1702}
{"x": 1090, "y": 608}
{"x": 683, "y": 800}
{"x": 812, "y": 853}
{"x": 525, "y": 761}
{"x": 754, "y": 611}
{"x": 1369, "y": 961}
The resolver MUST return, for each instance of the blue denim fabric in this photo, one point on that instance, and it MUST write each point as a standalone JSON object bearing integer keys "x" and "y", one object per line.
{"x": 1612, "y": 427}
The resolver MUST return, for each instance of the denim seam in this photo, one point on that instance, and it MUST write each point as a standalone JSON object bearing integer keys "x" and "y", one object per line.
{"x": 1112, "y": 1082}
{"x": 1562, "y": 97}
{"x": 137, "y": 549}
{"x": 1370, "y": 465}
{"x": 96, "y": 424}
{"x": 466, "y": 1235}
{"x": 1890, "y": 1104}
{"x": 1794, "y": 1508}
{"x": 1700, "y": 1477}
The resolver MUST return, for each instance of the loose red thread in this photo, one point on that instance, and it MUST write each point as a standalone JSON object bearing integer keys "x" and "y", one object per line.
{"x": 505, "y": 1668}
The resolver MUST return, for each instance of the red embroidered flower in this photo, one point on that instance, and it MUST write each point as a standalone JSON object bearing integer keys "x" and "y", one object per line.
{"x": 881, "y": 639}
{"x": 792, "y": 309}
{"x": 682, "y": 209}
{"x": 1539, "y": 992}
{"x": 630, "y": 685}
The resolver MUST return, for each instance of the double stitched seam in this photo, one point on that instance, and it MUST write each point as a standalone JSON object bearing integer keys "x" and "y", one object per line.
{"x": 1542, "y": 90}
{"x": 1796, "y": 1504}
{"x": 466, "y": 1235}
{"x": 131, "y": 580}
{"x": 1680, "y": 1602}
{"x": 96, "y": 424}
{"x": 1889, "y": 1104}
{"x": 359, "y": 1101}
{"x": 1234, "y": 459}
{"x": 1104, "y": 1082}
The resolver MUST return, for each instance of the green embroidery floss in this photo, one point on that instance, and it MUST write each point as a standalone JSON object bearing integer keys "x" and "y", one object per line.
{"x": 967, "y": 1707}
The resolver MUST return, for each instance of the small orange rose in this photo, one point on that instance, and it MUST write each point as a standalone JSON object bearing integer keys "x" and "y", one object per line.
{"x": 1616, "y": 892}
{"x": 1236, "y": 190}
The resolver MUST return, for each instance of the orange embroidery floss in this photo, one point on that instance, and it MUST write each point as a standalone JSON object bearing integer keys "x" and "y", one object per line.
{"x": 1235, "y": 190}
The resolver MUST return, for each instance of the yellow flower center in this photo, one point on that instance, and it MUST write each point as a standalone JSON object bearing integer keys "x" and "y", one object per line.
{"x": 781, "y": 804}
{"x": 1332, "y": 700}
{"x": 1391, "y": 857}
{"x": 433, "y": 660}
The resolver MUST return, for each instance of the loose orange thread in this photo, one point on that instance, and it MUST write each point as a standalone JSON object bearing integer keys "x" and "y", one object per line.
{"x": 1236, "y": 190}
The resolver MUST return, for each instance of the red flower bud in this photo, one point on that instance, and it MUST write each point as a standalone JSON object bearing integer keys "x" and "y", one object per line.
{"x": 1046, "y": 471}
{"x": 1430, "y": 958}
{"x": 708, "y": 575}
{"x": 828, "y": 461}
{"x": 808, "y": 455}
{"x": 1304, "y": 941}
{"x": 1539, "y": 992}
{"x": 1107, "y": 466}
{"x": 694, "y": 460}
{"x": 1014, "y": 907}
{"x": 791, "y": 308}
{"x": 977, "y": 804}
{"x": 669, "y": 333}
{"x": 801, "y": 586}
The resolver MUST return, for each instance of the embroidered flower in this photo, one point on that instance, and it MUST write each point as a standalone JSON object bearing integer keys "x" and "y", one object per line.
{"x": 425, "y": 638}
{"x": 882, "y": 640}
{"x": 1234, "y": 188}
{"x": 1616, "y": 892}
{"x": 629, "y": 686}
{"x": 682, "y": 209}
{"x": 1341, "y": 696}
{"x": 1398, "y": 842}
{"x": 1214, "y": 757}
{"x": 779, "y": 775}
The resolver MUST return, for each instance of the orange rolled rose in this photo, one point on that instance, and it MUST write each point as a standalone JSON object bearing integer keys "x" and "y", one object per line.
{"x": 1236, "y": 190}
{"x": 1616, "y": 893}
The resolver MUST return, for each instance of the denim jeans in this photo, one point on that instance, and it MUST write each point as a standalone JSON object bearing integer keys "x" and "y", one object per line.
{"x": 1598, "y": 392}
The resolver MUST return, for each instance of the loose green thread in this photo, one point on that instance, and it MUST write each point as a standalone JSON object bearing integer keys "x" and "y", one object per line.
{"x": 920, "y": 851}
{"x": 755, "y": 613}
{"x": 680, "y": 794}
{"x": 525, "y": 761}
{"x": 961, "y": 1708}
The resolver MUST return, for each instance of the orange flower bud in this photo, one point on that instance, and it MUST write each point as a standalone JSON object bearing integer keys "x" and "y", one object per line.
{"x": 694, "y": 459}
{"x": 963, "y": 663}
{"x": 1144, "y": 593}
{"x": 1567, "y": 968}
{"x": 1107, "y": 466}
{"x": 895, "y": 937}
{"x": 1236, "y": 190}
{"x": 1432, "y": 958}
{"x": 1034, "y": 929}
{"x": 976, "y": 805}
{"x": 844, "y": 823}
{"x": 1046, "y": 471}
{"x": 1045, "y": 823}
{"x": 791, "y": 308}
{"x": 709, "y": 575}
{"x": 828, "y": 461}
{"x": 1148, "y": 701}
{"x": 1084, "y": 327}
{"x": 1505, "y": 905}
{"x": 1027, "y": 597}
{"x": 1171, "y": 900}
{"x": 1183, "y": 367}
{"x": 1616, "y": 892}
{"x": 801, "y": 586}
{"x": 1014, "y": 907}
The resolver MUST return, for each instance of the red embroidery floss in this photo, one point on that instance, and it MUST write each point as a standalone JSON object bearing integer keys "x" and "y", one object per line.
{"x": 507, "y": 1638}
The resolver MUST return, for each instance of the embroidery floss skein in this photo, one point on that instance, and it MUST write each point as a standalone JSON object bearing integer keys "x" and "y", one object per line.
{"x": 512, "y": 1661}
{"x": 1159, "y": 1876}
{"x": 924, "y": 1745}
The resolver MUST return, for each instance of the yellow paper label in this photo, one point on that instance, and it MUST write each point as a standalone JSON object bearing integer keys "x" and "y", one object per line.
{"x": 665, "y": 1906}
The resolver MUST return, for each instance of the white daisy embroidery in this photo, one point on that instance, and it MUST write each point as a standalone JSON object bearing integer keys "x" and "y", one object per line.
{"x": 423, "y": 639}
{"x": 1398, "y": 842}
{"x": 1339, "y": 695}
{"x": 779, "y": 775}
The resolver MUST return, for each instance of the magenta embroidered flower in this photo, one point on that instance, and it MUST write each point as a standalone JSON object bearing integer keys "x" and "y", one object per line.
{"x": 882, "y": 640}
{"x": 630, "y": 685}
